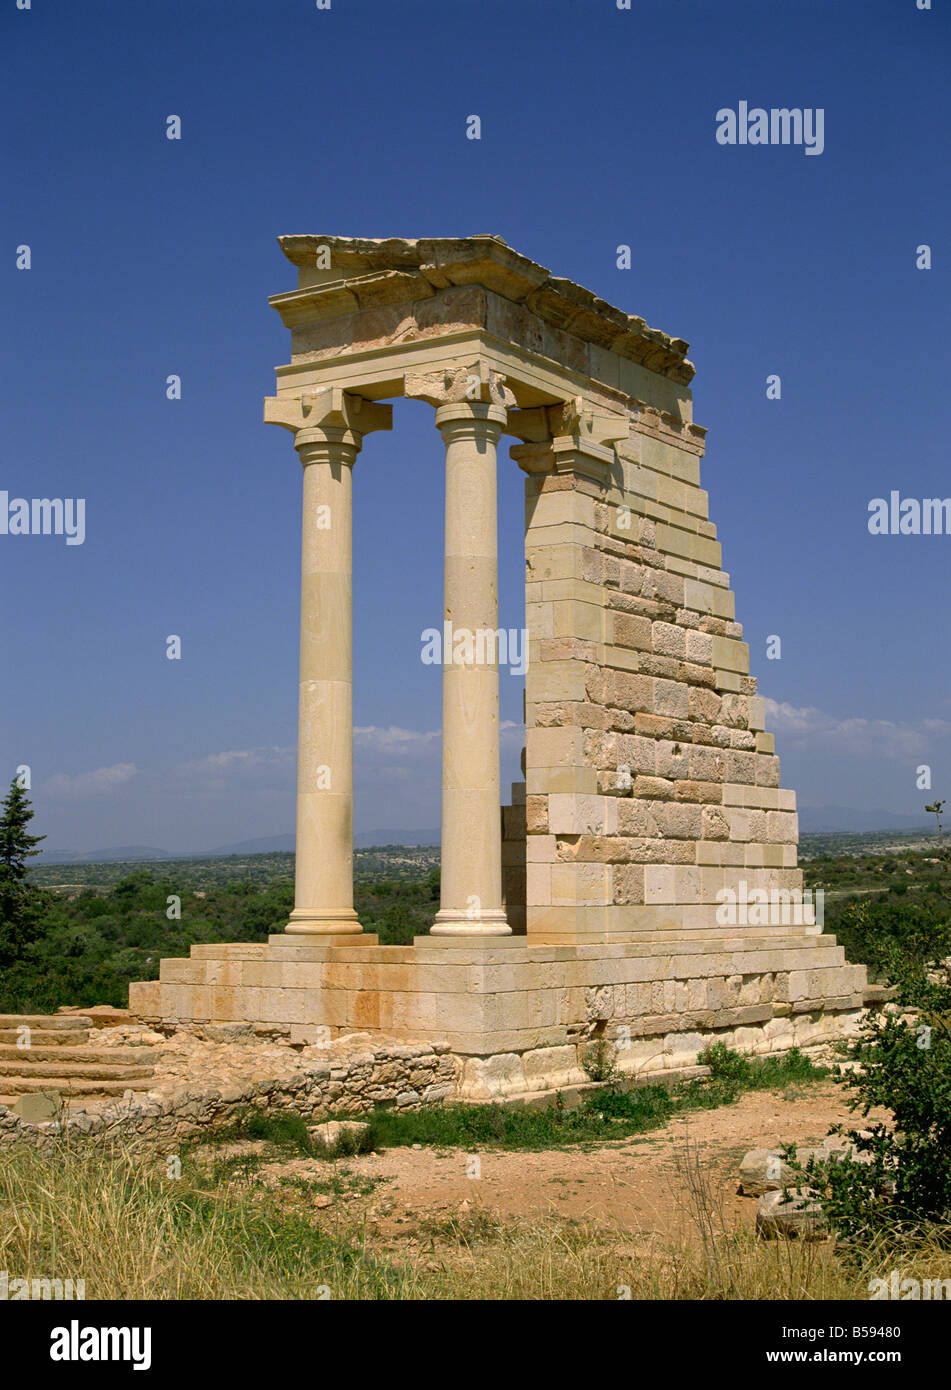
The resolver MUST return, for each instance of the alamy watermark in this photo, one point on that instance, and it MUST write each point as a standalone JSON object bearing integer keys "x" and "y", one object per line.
{"x": 770, "y": 907}
{"x": 76, "y": 1343}
{"x": 43, "y": 516}
{"x": 485, "y": 646}
{"x": 778, "y": 126}
{"x": 909, "y": 516}
{"x": 895, "y": 1287}
{"x": 39, "y": 1290}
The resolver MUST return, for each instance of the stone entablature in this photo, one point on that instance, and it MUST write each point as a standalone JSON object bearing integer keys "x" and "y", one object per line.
{"x": 364, "y": 276}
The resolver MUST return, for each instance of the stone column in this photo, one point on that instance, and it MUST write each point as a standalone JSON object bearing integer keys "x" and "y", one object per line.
{"x": 471, "y": 876}
{"x": 328, "y": 432}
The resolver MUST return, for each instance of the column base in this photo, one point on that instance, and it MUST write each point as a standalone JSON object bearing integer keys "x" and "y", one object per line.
{"x": 453, "y": 922}
{"x": 306, "y": 921}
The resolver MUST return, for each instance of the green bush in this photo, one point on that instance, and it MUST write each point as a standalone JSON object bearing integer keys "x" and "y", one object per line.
{"x": 901, "y": 1180}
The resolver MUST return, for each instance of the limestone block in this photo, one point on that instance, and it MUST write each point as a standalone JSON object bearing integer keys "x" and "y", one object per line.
{"x": 632, "y": 692}
{"x": 538, "y": 884}
{"x": 765, "y": 1170}
{"x": 677, "y": 821}
{"x": 740, "y": 823}
{"x": 782, "y": 827}
{"x": 554, "y": 680}
{"x": 699, "y": 648}
{"x": 486, "y": 1078}
{"x": 630, "y": 631}
{"x": 628, "y": 884}
{"x": 740, "y": 767}
{"x": 705, "y": 764}
{"x": 767, "y": 770}
{"x": 669, "y": 640}
{"x": 540, "y": 849}
{"x": 670, "y": 698}
{"x": 332, "y": 1133}
{"x": 554, "y": 748}
{"x": 659, "y": 884}
{"x": 600, "y": 1002}
{"x": 797, "y": 1217}
{"x": 576, "y": 815}
{"x": 735, "y": 711}
{"x": 580, "y": 883}
{"x": 547, "y": 1068}
{"x": 715, "y": 823}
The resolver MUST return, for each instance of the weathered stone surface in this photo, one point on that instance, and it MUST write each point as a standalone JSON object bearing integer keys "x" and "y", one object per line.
{"x": 796, "y": 1216}
{"x": 330, "y": 1134}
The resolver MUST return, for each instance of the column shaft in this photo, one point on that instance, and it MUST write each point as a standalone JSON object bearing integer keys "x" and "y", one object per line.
{"x": 471, "y": 875}
{"x": 323, "y": 889}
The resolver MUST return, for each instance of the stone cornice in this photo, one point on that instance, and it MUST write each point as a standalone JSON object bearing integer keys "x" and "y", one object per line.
{"x": 367, "y": 274}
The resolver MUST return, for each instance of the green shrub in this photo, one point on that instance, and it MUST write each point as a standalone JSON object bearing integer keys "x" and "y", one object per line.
{"x": 902, "y": 1179}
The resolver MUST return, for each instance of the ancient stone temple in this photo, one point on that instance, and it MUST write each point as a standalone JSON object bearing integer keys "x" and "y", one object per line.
{"x": 593, "y": 905}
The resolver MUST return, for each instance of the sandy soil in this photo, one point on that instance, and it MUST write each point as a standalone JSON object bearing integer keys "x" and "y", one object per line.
{"x": 639, "y": 1184}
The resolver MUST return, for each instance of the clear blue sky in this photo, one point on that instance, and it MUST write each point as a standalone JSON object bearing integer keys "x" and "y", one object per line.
{"x": 153, "y": 257}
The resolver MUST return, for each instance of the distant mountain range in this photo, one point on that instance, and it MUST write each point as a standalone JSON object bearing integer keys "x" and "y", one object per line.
{"x": 829, "y": 819}
{"x": 812, "y": 820}
{"x": 273, "y": 844}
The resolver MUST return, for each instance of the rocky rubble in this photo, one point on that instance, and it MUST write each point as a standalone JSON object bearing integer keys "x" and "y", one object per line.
{"x": 205, "y": 1076}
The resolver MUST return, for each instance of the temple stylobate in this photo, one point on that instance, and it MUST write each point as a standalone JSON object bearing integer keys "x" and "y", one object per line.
{"x": 641, "y": 884}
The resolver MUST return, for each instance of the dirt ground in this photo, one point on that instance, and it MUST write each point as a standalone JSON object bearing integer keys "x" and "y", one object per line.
{"x": 639, "y": 1184}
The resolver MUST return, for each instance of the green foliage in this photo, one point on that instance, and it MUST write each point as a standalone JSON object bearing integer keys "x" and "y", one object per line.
{"x": 599, "y": 1059}
{"x": 731, "y": 1073}
{"x": 284, "y": 1128}
{"x": 902, "y": 1062}
{"x": 901, "y": 1182}
{"x": 519, "y": 1127}
{"x": 21, "y": 903}
{"x": 896, "y": 938}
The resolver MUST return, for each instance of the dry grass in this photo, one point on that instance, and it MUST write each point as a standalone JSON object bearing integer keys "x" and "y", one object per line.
{"x": 114, "y": 1219}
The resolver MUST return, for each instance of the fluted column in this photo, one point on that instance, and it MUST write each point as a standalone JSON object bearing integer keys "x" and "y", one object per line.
{"x": 328, "y": 432}
{"x": 471, "y": 876}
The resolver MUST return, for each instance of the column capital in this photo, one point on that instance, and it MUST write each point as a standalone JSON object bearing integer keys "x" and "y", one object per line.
{"x": 575, "y": 434}
{"x": 328, "y": 416}
{"x": 471, "y": 420}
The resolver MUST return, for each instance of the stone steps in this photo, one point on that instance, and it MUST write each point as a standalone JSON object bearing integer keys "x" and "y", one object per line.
{"x": 13, "y": 1059}
{"x": 54, "y": 1023}
{"x": 65, "y": 1086}
{"x": 107, "y": 1071}
{"x": 60, "y": 1059}
{"x": 46, "y": 1037}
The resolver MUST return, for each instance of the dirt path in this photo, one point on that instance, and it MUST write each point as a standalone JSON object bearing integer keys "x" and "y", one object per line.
{"x": 638, "y": 1184}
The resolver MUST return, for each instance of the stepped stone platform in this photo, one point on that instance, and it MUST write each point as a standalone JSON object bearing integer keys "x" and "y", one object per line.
{"x": 41, "y": 1053}
{"x": 519, "y": 1017}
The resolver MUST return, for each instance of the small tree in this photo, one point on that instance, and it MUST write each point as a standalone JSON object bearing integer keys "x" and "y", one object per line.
{"x": 20, "y": 902}
{"x": 936, "y": 808}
